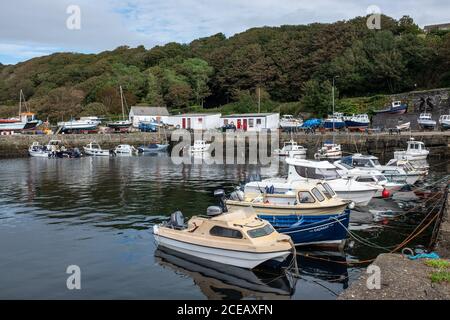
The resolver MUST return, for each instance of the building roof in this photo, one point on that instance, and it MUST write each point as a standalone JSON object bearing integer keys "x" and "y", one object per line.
{"x": 149, "y": 111}
{"x": 443, "y": 26}
{"x": 196, "y": 114}
{"x": 252, "y": 115}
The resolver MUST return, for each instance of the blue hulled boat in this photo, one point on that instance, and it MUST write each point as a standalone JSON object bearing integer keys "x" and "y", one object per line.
{"x": 396, "y": 107}
{"x": 309, "y": 230}
{"x": 334, "y": 122}
{"x": 357, "y": 121}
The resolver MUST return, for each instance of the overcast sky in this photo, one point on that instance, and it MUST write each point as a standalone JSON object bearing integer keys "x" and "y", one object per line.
{"x": 30, "y": 28}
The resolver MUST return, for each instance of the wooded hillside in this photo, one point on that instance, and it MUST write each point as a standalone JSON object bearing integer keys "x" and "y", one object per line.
{"x": 293, "y": 66}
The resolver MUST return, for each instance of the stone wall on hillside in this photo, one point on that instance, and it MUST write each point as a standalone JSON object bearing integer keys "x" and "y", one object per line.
{"x": 436, "y": 102}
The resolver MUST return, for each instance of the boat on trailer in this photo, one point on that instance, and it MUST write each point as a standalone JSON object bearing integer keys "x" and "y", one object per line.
{"x": 124, "y": 123}
{"x": 25, "y": 121}
{"x": 396, "y": 107}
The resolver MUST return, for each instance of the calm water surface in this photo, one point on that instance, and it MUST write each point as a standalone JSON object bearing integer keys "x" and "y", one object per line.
{"x": 98, "y": 213}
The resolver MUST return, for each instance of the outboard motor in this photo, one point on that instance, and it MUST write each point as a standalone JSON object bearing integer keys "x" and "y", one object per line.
{"x": 237, "y": 195}
{"x": 214, "y": 211}
{"x": 220, "y": 195}
{"x": 177, "y": 220}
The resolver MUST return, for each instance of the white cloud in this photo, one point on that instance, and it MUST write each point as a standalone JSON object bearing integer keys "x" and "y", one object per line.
{"x": 39, "y": 26}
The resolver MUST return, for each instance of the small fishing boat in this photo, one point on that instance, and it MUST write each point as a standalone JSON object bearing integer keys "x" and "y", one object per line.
{"x": 302, "y": 198}
{"x": 392, "y": 172}
{"x": 411, "y": 168}
{"x": 291, "y": 148}
{"x": 38, "y": 150}
{"x": 318, "y": 171}
{"x": 329, "y": 151}
{"x": 238, "y": 238}
{"x": 444, "y": 122}
{"x": 124, "y": 123}
{"x": 334, "y": 122}
{"x": 404, "y": 126}
{"x": 199, "y": 146}
{"x": 415, "y": 151}
{"x": 426, "y": 121}
{"x": 289, "y": 123}
{"x": 94, "y": 149}
{"x": 25, "y": 120}
{"x": 396, "y": 107}
{"x": 359, "y": 121}
{"x": 153, "y": 147}
{"x": 84, "y": 123}
{"x": 125, "y": 149}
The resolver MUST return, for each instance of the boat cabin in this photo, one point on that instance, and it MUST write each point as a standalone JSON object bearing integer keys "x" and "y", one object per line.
{"x": 305, "y": 169}
{"x": 444, "y": 118}
{"x": 415, "y": 146}
{"x": 362, "y": 161}
{"x": 425, "y": 116}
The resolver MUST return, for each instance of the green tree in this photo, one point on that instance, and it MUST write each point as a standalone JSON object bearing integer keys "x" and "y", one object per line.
{"x": 317, "y": 97}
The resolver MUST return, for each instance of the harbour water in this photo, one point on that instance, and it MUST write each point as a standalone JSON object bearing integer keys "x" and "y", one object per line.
{"x": 97, "y": 213}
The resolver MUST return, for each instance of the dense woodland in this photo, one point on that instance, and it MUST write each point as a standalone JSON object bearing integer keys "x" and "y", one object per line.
{"x": 292, "y": 65}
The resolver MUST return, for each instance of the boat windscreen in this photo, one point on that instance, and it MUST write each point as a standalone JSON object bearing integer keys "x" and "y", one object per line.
{"x": 317, "y": 173}
{"x": 261, "y": 232}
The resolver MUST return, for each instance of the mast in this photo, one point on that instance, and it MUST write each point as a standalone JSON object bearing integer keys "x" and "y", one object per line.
{"x": 121, "y": 101}
{"x": 20, "y": 102}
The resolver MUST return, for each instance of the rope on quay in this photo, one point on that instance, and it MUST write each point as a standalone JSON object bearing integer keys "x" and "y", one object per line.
{"x": 414, "y": 234}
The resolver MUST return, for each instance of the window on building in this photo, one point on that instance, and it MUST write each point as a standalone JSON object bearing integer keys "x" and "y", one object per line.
{"x": 225, "y": 121}
{"x": 251, "y": 123}
{"x": 200, "y": 120}
{"x": 258, "y": 122}
{"x": 225, "y": 232}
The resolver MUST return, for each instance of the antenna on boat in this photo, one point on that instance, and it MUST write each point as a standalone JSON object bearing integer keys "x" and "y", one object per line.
{"x": 332, "y": 93}
{"x": 20, "y": 102}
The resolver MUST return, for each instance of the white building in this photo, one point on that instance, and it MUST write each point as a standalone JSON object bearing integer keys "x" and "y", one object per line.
{"x": 196, "y": 121}
{"x": 253, "y": 121}
{"x": 148, "y": 114}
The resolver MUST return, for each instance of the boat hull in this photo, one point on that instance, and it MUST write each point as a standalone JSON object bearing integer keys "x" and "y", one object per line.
{"x": 278, "y": 210}
{"x": 337, "y": 125}
{"x": 360, "y": 198}
{"x": 39, "y": 154}
{"x": 96, "y": 152}
{"x": 355, "y": 124}
{"x": 314, "y": 230}
{"x": 242, "y": 259}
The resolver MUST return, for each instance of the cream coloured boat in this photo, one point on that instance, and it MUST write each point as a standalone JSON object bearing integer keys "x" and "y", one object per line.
{"x": 239, "y": 238}
{"x": 298, "y": 198}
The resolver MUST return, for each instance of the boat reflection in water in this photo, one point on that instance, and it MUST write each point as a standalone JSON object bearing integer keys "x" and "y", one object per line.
{"x": 327, "y": 266}
{"x": 223, "y": 282}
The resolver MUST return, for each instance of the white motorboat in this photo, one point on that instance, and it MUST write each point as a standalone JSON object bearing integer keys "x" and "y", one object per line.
{"x": 444, "y": 122}
{"x": 288, "y": 122}
{"x": 38, "y": 150}
{"x": 346, "y": 188}
{"x": 199, "y": 146}
{"x": 404, "y": 126}
{"x": 415, "y": 151}
{"x": 411, "y": 168}
{"x": 94, "y": 149}
{"x": 25, "y": 120}
{"x": 125, "y": 149}
{"x": 426, "y": 121}
{"x": 239, "y": 238}
{"x": 291, "y": 149}
{"x": 329, "y": 151}
{"x": 84, "y": 123}
{"x": 391, "y": 172}
{"x": 385, "y": 187}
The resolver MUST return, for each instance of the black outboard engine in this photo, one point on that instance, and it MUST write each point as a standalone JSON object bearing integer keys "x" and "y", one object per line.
{"x": 177, "y": 220}
{"x": 220, "y": 195}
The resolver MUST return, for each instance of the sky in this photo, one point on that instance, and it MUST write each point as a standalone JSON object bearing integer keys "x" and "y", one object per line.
{"x": 31, "y": 28}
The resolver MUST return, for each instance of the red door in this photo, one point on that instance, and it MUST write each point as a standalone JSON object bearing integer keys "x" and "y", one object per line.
{"x": 244, "y": 126}
{"x": 239, "y": 124}
{"x": 183, "y": 123}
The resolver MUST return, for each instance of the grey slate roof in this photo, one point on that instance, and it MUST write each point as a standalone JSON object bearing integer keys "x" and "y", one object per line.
{"x": 149, "y": 111}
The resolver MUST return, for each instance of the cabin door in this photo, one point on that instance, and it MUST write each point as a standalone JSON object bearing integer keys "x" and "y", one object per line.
{"x": 244, "y": 126}
{"x": 239, "y": 124}
{"x": 183, "y": 123}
